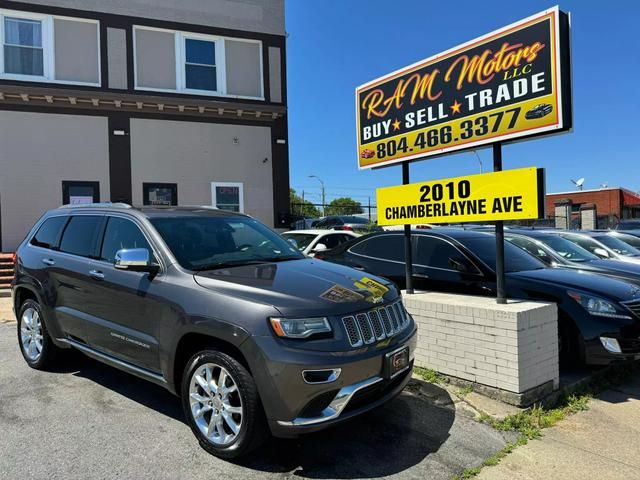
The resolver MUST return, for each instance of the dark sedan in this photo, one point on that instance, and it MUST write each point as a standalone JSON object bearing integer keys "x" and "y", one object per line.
{"x": 599, "y": 316}
{"x": 556, "y": 251}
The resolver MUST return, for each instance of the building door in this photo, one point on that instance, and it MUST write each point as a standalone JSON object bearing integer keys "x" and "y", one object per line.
{"x": 160, "y": 194}
{"x": 77, "y": 193}
{"x": 228, "y": 196}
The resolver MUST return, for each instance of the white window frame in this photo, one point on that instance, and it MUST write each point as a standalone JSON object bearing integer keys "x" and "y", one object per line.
{"x": 48, "y": 48}
{"x": 181, "y": 63}
{"x": 240, "y": 185}
{"x": 180, "y": 38}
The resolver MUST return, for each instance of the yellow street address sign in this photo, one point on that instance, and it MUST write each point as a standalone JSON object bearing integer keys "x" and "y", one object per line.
{"x": 507, "y": 195}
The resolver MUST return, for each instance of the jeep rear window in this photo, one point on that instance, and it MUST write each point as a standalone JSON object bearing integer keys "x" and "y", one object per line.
{"x": 207, "y": 243}
{"x": 49, "y": 232}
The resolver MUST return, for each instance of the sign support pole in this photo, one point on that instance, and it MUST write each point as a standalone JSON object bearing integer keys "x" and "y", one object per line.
{"x": 500, "y": 277}
{"x": 407, "y": 239}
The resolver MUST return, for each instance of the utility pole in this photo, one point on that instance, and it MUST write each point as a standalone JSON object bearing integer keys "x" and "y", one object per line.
{"x": 479, "y": 159}
{"x": 324, "y": 208}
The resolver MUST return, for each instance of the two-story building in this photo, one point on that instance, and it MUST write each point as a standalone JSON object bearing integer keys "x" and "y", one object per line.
{"x": 142, "y": 101}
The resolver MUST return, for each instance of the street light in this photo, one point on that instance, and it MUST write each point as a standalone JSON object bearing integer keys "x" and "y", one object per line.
{"x": 479, "y": 159}
{"x": 322, "y": 185}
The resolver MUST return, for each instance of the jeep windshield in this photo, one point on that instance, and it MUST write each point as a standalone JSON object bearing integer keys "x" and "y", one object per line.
{"x": 210, "y": 242}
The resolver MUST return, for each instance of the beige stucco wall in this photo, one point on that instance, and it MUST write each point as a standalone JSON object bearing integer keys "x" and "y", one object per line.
{"x": 38, "y": 151}
{"x": 194, "y": 154}
{"x": 266, "y": 16}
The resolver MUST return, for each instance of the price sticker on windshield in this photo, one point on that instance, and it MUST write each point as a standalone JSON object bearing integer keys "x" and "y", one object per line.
{"x": 508, "y": 195}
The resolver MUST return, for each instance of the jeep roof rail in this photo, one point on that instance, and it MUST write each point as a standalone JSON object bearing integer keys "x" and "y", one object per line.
{"x": 98, "y": 204}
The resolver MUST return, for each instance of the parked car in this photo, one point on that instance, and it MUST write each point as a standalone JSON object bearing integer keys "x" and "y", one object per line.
{"x": 628, "y": 238}
{"x": 555, "y": 251}
{"x": 218, "y": 309}
{"x": 304, "y": 223}
{"x": 603, "y": 245}
{"x": 344, "y": 222}
{"x": 311, "y": 241}
{"x": 599, "y": 317}
{"x": 633, "y": 224}
{"x": 415, "y": 226}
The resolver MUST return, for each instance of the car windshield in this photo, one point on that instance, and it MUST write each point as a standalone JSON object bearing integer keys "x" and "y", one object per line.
{"x": 588, "y": 243}
{"x": 567, "y": 249}
{"x": 210, "y": 242}
{"x": 618, "y": 246}
{"x": 630, "y": 239}
{"x": 515, "y": 259}
{"x": 532, "y": 247}
{"x": 302, "y": 239}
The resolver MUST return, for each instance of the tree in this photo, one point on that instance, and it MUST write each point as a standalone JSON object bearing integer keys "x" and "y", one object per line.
{"x": 343, "y": 206}
{"x": 302, "y": 207}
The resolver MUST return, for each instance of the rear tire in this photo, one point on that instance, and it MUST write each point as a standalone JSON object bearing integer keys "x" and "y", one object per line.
{"x": 34, "y": 340}
{"x": 222, "y": 406}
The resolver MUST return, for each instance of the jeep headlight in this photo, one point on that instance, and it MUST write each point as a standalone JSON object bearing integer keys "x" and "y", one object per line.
{"x": 300, "y": 327}
{"x": 597, "y": 306}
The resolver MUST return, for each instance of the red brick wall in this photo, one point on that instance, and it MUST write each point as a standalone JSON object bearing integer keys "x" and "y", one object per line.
{"x": 608, "y": 202}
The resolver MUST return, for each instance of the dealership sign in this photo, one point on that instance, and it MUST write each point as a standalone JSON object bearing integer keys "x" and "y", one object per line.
{"x": 509, "y": 84}
{"x": 507, "y": 195}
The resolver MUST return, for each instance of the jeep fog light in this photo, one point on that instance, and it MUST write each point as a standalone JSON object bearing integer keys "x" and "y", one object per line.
{"x": 611, "y": 345}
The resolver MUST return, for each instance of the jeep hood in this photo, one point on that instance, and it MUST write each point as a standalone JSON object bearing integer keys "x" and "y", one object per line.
{"x": 301, "y": 287}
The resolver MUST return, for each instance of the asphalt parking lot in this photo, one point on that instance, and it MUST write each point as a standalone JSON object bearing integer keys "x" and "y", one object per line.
{"x": 88, "y": 420}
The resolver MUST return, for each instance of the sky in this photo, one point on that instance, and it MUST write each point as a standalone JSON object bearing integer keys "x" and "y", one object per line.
{"x": 333, "y": 46}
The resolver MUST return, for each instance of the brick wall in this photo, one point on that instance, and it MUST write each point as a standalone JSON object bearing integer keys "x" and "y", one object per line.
{"x": 511, "y": 347}
{"x": 608, "y": 202}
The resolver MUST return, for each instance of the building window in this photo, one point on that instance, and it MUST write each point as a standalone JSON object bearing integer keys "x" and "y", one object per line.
{"x": 23, "y": 48}
{"x": 160, "y": 194}
{"x": 78, "y": 193}
{"x": 200, "y": 65}
{"x": 228, "y": 196}
{"x": 38, "y": 47}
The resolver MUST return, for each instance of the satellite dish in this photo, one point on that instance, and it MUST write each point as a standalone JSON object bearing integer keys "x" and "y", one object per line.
{"x": 578, "y": 183}
{"x": 604, "y": 185}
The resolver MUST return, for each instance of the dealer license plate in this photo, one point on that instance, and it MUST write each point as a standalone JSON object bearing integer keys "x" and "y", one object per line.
{"x": 396, "y": 362}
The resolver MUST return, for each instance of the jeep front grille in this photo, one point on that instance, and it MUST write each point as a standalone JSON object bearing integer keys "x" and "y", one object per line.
{"x": 376, "y": 324}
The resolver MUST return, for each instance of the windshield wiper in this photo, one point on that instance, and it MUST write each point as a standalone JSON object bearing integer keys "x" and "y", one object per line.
{"x": 281, "y": 259}
{"x": 231, "y": 263}
{"x": 241, "y": 263}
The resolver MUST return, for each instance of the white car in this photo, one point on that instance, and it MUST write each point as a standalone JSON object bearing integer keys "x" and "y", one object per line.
{"x": 311, "y": 241}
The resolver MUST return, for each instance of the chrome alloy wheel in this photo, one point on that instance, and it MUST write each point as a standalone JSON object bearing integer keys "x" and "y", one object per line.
{"x": 215, "y": 402}
{"x": 31, "y": 334}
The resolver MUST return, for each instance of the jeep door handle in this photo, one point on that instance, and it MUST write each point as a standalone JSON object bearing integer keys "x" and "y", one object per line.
{"x": 96, "y": 274}
{"x": 48, "y": 261}
{"x": 420, "y": 275}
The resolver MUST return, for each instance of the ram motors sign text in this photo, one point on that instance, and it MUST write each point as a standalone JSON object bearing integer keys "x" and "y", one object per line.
{"x": 509, "y": 84}
{"x": 507, "y": 195}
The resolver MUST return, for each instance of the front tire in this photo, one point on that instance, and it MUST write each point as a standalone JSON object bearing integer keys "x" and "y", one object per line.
{"x": 221, "y": 403}
{"x": 36, "y": 345}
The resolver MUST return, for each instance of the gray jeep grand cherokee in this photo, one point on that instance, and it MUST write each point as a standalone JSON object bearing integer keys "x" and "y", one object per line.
{"x": 218, "y": 309}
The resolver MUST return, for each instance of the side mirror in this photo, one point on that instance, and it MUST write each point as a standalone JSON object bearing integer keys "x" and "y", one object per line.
{"x": 134, "y": 259}
{"x": 320, "y": 247}
{"x": 601, "y": 252}
{"x": 458, "y": 264}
